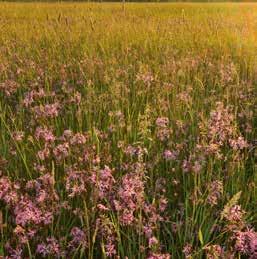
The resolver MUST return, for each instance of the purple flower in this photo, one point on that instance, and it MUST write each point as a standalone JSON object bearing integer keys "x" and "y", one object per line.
{"x": 47, "y": 111}
{"x": 61, "y": 151}
{"x": 13, "y": 253}
{"x": 235, "y": 214}
{"x": 246, "y": 243}
{"x": 162, "y": 122}
{"x": 45, "y": 134}
{"x": 105, "y": 182}
{"x": 51, "y": 247}
{"x": 78, "y": 139}
{"x": 215, "y": 190}
{"x": 169, "y": 155}
{"x": 78, "y": 238}
{"x": 110, "y": 249}
{"x": 152, "y": 241}
{"x": 76, "y": 182}
{"x": 187, "y": 250}
{"x": 9, "y": 87}
{"x": 8, "y": 191}
{"x": 42, "y": 249}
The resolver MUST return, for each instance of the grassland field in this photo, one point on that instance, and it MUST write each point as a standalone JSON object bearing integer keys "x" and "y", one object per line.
{"x": 128, "y": 131}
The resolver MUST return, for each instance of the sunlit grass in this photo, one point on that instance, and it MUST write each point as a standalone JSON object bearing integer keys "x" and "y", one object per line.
{"x": 164, "y": 99}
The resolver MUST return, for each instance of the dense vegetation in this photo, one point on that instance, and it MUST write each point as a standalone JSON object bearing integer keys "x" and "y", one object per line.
{"x": 128, "y": 132}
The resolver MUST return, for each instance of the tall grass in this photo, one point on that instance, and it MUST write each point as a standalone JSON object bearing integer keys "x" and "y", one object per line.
{"x": 128, "y": 132}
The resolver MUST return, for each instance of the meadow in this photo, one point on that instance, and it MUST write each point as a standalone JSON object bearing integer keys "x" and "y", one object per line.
{"x": 128, "y": 131}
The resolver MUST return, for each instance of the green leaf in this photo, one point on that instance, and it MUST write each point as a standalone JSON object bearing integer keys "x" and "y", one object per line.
{"x": 200, "y": 236}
